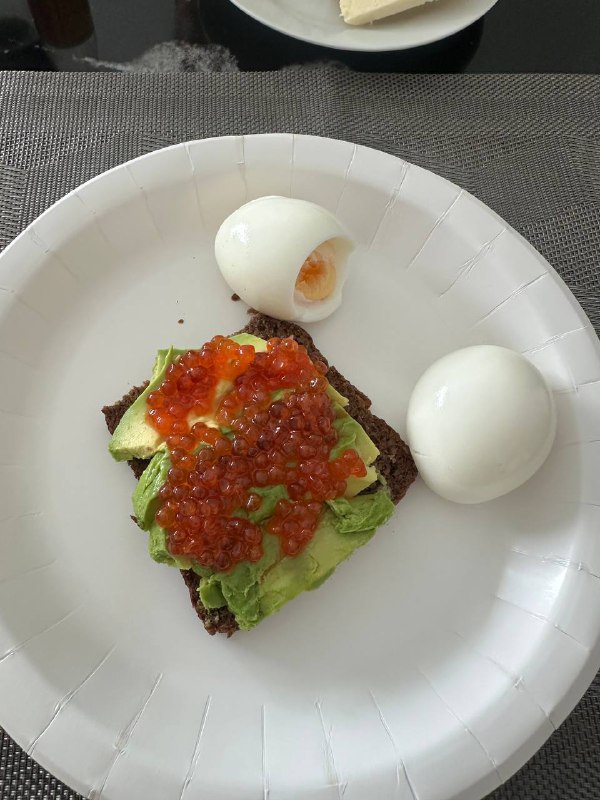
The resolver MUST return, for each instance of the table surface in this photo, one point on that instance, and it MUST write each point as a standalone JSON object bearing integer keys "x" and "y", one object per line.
{"x": 515, "y": 36}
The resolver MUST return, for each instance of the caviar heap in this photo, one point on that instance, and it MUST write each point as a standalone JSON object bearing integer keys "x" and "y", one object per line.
{"x": 276, "y": 428}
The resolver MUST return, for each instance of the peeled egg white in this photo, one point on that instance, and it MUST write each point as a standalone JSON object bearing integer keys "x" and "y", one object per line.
{"x": 261, "y": 248}
{"x": 481, "y": 421}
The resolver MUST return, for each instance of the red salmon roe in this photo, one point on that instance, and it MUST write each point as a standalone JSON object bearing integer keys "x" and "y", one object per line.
{"x": 283, "y": 442}
{"x": 189, "y": 387}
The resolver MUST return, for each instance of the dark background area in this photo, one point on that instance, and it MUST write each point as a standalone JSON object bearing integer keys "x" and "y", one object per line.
{"x": 515, "y": 36}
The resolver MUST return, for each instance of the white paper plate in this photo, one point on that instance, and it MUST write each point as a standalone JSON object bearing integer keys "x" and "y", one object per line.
{"x": 319, "y": 22}
{"x": 440, "y": 657}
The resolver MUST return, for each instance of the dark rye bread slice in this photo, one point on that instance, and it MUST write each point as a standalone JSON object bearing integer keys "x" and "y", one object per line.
{"x": 394, "y": 463}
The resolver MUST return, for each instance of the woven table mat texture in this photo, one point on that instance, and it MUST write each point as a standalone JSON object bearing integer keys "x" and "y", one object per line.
{"x": 526, "y": 145}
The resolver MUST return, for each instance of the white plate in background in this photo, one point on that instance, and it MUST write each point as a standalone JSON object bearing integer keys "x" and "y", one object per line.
{"x": 320, "y": 22}
{"x": 441, "y": 656}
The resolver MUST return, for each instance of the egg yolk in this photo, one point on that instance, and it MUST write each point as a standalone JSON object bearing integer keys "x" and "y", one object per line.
{"x": 317, "y": 277}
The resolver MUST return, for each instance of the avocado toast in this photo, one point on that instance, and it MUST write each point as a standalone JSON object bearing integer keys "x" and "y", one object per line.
{"x": 297, "y": 470}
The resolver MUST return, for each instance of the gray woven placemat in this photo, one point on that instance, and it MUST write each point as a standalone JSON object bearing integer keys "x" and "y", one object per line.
{"x": 528, "y": 146}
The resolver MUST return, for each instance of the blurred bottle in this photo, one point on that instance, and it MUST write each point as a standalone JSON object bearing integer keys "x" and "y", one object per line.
{"x": 19, "y": 42}
{"x": 66, "y": 30}
{"x": 188, "y": 23}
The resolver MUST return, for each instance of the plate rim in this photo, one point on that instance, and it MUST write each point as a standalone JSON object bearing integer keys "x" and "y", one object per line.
{"x": 321, "y": 41}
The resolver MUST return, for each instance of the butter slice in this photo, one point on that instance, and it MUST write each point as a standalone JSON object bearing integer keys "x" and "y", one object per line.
{"x": 359, "y": 12}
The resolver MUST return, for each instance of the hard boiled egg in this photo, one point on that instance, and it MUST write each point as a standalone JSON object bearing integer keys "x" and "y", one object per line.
{"x": 481, "y": 421}
{"x": 285, "y": 257}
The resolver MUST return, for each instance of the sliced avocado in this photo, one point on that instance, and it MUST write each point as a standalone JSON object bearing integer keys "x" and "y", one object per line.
{"x": 145, "y": 503}
{"x": 133, "y": 437}
{"x": 211, "y": 594}
{"x": 259, "y": 345}
{"x": 241, "y": 583}
{"x": 360, "y": 514}
{"x": 157, "y": 547}
{"x": 240, "y": 588}
{"x": 253, "y": 591}
{"x": 145, "y": 496}
{"x": 271, "y": 495}
{"x": 353, "y": 436}
{"x": 336, "y": 397}
{"x": 346, "y": 526}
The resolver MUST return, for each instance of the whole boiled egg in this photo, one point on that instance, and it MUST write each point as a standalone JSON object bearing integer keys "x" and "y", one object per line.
{"x": 481, "y": 421}
{"x": 285, "y": 257}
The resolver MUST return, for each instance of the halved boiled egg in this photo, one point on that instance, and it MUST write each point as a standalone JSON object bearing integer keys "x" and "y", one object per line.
{"x": 285, "y": 257}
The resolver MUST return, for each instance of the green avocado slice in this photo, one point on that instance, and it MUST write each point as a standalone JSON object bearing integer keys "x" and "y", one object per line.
{"x": 145, "y": 496}
{"x": 353, "y": 436}
{"x": 133, "y": 437}
{"x": 254, "y": 591}
{"x": 346, "y": 526}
